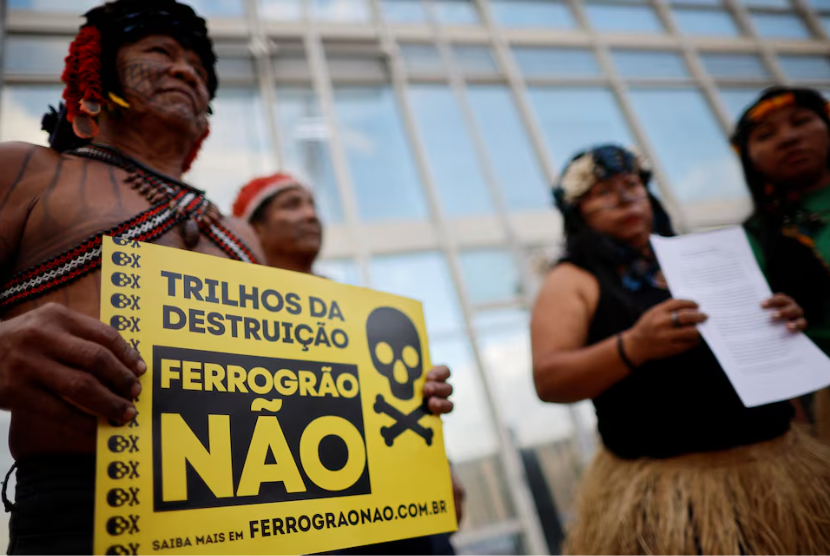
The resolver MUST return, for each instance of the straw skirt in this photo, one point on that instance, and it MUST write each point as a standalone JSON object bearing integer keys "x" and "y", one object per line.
{"x": 767, "y": 498}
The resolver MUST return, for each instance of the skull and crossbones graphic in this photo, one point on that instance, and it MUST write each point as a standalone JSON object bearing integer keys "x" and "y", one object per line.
{"x": 396, "y": 353}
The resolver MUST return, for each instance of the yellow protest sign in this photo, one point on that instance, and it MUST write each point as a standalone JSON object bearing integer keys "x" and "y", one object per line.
{"x": 281, "y": 413}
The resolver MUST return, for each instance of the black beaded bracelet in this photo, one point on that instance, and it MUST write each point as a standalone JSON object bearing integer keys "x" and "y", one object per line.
{"x": 621, "y": 350}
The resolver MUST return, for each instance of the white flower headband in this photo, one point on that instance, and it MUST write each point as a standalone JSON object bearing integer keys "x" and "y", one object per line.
{"x": 584, "y": 172}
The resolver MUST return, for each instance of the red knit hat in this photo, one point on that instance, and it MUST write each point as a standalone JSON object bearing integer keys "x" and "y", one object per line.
{"x": 259, "y": 190}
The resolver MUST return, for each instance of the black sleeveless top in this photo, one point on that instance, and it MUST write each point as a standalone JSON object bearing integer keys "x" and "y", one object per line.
{"x": 673, "y": 406}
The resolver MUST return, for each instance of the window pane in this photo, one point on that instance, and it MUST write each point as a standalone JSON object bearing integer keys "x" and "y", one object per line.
{"x": 532, "y": 13}
{"x": 450, "y": 154}
{"x": 805, "y": 68}
{"x": 343, "y": 271}
{"x": 737, "y": 99}
{"x": 77, "y": 7}
{"x": 490, "y": 275}
{"x": 556, "y": 62}
{"x": 691, "y": 146}
{"x": 422, "y": 58}
{"x": 649, "y": 64}
{"x": 504, "y": 340}
{"x": 218, "y": 8}
{"x": 35, "y": 55}
{"x": 734, "y": 66}
{"x": 425, "y": 277}
{"x": 633, "y": 19}
{"x": 404, "y": 11}
{"x": 767, "y": 3}
{"x": 780, "y": 26}
{"x": 698, "y": 2}
{"x": 237, "y": 149}
{"x": 281, "y": 10}
{"x": 23, "y": 108}
{"x": 380, "y": 161}
{"x": 468, "y": 432}
{"x": 523, "y": 185}
{"x": 575, "y": 118}
{"x": 340, "y": 10}
{"x": 706, "y": 23}
{"x": 455, "y": 12}
{"x": 304, "y": 138}
{"x": 234, "y": 68}
{"x": 475, "y": 60}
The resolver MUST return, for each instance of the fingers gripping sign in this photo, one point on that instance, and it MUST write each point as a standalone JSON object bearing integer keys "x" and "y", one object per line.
{"x": 53, "y": 356}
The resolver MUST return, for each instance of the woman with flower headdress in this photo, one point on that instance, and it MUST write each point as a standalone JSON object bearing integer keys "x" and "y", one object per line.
{"x": 684, "y": 467}
{"x": 783, "y": 140}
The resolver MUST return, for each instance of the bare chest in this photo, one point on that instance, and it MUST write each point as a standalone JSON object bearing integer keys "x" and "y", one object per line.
{"x": 80, "y": 200}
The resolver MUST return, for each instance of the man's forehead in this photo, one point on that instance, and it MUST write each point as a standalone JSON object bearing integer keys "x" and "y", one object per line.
{"x": 293, "y": 191}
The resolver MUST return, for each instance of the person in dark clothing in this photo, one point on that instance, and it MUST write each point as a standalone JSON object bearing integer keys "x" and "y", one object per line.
{"x": 684, "y": 466}
{"x": 783, "y": 140}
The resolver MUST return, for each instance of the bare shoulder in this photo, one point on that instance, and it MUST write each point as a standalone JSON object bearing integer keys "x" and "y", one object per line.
{"x": 21, "y": 164}
{"x": 567, "y": 279}
{"x": 19, "y": 159}
{"x": 244, "y": 231}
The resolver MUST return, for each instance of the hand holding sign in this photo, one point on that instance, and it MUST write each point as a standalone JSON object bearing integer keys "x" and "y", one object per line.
{"x": 437, "y": 390}
{"x": 54, "y": 353}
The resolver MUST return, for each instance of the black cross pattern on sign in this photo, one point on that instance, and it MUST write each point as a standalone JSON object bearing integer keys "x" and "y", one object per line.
{"x": 122, "y": 280}
{"x": 124, "y": 242}
{"x": 120, "y": 258}
{"x": 403, "y": 422}
{"x": 123, "y": 301}
{"x": 119, "y": 470}
{"x": 118, "y": 525}
{"x": 125, "y": 324}
{"x": 117, "y": 497}
{"x": 118, "y": 444}
{"x": 134, "y": 343}
{"x": 130, "y": 549}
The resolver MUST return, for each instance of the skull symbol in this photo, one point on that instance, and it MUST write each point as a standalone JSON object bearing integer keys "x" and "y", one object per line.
{"x": 396, "y": 350}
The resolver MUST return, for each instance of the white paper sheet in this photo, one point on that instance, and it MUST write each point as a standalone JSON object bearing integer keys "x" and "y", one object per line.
{"x": 764, "y": 361}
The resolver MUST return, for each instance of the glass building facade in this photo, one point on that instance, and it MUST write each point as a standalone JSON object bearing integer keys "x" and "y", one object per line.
{"x": 431, "y": 130}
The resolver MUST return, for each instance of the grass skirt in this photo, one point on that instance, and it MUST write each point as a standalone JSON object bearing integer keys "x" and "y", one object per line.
{"x": 821, "y": 410}
{"x": 768, "y": 498}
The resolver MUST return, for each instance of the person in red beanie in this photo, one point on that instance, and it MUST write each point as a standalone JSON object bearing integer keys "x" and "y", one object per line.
{"x": 282, "y": 212}
{"x": 139, "y": 79}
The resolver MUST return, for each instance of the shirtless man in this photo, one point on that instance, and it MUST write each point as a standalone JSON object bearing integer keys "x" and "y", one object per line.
{"x": 140, "y": 77}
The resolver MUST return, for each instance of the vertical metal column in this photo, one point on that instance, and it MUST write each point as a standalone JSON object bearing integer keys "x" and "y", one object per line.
{"x": 504, "y": 55}
{"x": 261, "y": 49}
{"x": 508, "y": 454}
{"x": 765, "y": 49}
{"x": 620, "y": 89}
{"x": 325, "y": 96}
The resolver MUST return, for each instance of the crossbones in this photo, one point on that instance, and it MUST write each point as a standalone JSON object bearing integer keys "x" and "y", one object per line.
{"x": 402, "y": 422}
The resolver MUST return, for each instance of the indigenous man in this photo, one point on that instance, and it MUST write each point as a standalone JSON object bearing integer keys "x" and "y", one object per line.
{"x": 139, "y": 79}
{"x": 282, "y": 212}
{"x": 783, "y": 140}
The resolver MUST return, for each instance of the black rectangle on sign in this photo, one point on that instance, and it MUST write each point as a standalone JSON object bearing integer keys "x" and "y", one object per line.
{"x": 235, "y": 429}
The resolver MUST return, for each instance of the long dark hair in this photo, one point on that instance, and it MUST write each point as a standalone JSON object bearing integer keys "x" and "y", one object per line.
{"x": 792, "y": 267}
{"x": 601, "y": 255}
